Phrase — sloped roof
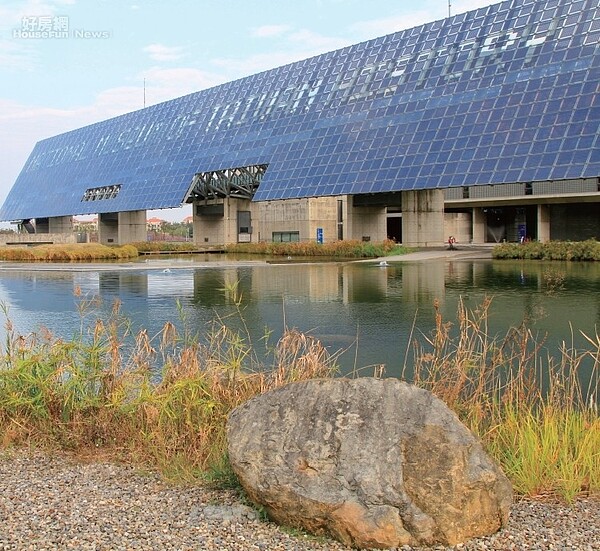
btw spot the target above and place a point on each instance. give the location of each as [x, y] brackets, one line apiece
[505, 93]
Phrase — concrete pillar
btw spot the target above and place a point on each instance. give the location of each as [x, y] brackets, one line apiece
[108, 228]
[119, 228]
[366, 223]
[60, 224]
[478, 225]
[543, 223]
[132, 227]
[423, 218]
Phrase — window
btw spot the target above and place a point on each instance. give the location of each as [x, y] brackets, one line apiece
[286, 236]
[98, 193]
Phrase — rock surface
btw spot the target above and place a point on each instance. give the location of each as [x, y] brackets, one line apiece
[375, 463]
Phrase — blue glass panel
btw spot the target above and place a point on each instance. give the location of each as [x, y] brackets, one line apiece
[452, 98]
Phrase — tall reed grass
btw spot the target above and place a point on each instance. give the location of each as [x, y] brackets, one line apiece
[537, 415]
[588, 250]
[100, 392]
[165, 246]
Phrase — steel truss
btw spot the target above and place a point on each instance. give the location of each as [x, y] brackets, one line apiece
[241, 182]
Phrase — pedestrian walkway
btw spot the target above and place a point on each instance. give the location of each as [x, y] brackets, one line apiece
[465, 252]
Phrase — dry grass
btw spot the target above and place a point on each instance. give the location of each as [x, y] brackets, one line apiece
[335, 249]
[66, 253]
[101, 392]
[537, 415]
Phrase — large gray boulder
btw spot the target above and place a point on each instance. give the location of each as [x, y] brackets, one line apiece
[375, 463]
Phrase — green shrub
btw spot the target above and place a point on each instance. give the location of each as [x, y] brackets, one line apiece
[588, 250]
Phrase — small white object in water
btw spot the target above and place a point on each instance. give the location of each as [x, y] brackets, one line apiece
[166, 271]
[383, 263]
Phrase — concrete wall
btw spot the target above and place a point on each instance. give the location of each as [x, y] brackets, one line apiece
[307, 215]
[423, 218]
[368, 223]
[60, 224]
[458, 224]
[479, 225]
[33, 238]
[293, 215]
[108, 228]
[543, 223]
[282, 216]
[298, 215]
[220, 230]
[322, 213]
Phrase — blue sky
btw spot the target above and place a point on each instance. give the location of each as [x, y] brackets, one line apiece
[109, 56]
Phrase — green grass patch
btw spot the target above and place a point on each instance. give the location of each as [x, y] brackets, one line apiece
[99, 391]
[588, 250]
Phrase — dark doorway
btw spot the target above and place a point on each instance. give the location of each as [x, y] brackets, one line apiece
[394, 228]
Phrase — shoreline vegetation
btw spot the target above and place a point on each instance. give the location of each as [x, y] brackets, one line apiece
[86, 252]
[99, 394]
[585, 251]
[588, 250]
[161, 401]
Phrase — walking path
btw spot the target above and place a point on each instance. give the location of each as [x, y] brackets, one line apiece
[52, 503]
[467, 252]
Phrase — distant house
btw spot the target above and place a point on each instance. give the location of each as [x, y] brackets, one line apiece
[188, 220]
[85, 225]
[155, 224]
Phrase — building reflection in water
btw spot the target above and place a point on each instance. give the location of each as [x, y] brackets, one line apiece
[365, 309]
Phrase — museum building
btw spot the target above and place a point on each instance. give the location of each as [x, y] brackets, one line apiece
[484, 126]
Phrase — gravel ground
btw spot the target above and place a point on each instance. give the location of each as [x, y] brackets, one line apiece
[53, 503]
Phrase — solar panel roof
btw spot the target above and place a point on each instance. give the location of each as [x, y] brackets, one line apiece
[505, 93]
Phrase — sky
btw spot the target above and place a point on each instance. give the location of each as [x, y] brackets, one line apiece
[65, 64]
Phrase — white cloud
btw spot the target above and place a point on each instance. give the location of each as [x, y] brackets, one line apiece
[378, 27]
[388, 25]
[461, 6]
[17, 55]
[160, 52]
[267, 31]
[317, 43]
[300, 44]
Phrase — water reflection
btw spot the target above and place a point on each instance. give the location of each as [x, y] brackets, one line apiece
[367, 310]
